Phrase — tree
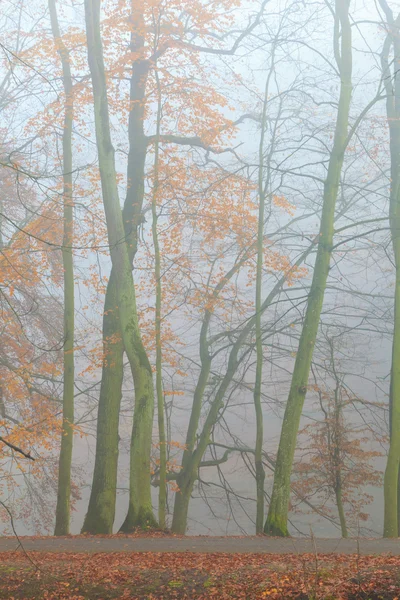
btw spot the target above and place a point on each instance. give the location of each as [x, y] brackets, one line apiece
[30, 239]
[392, 88]
[140, 509]
[276, 523]
[334, 463]
[30, 357]
[162, 499]
[64, 474]
[101, 510]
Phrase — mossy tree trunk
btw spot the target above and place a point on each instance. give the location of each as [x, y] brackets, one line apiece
[140, 509]
[101, 511]
[258, 459]
[63, 508]
[392, 88]
[276, 523]
[264, 182]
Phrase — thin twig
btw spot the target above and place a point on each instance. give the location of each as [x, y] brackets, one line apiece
[13, 447]
[20, 544]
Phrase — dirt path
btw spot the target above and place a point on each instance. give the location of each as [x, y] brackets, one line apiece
[203, 544]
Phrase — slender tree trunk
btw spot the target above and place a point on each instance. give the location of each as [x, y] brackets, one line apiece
[67, 436]
[392, 85]
[335, 446]
[276, 523]
[342, 516]
[140, 509]
[162, 439]
[258, 459]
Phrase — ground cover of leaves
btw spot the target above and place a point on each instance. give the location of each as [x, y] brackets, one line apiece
[149, 576]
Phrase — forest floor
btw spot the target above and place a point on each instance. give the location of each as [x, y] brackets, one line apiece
[171, 576]
[168, 568]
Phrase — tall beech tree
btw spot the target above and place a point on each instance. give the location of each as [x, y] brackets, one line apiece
[63, 508]
[101, 511]
[391, 81]
[276, 523]
[162, 439]
[140, 509]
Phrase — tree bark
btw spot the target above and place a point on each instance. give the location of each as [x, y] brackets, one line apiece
[276, 523]
[140, 509]
[67, 435]
[101, 511]
[258, 460]
[342, 516]
[392, 87]
[162, 439]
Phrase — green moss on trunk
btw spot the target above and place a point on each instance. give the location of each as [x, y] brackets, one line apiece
[181, 506]
[121, 258]
[279, 504]
[101, 511]
[392, 86]
[67, 434]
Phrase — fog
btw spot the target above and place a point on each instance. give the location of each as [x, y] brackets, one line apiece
[199, 237]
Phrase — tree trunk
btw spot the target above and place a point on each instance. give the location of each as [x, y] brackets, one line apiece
[258, 459]
[181, 504]
[101, 511]
[140, 509]
[391, 493]
[276, 523]
[162, 493]
[140, 512]
[67, 435]
[342, 516]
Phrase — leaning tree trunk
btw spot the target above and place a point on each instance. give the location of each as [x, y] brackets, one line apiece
[67, 434]
[192, 455]
[276, 523]
[140, 508]
[392, 88]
